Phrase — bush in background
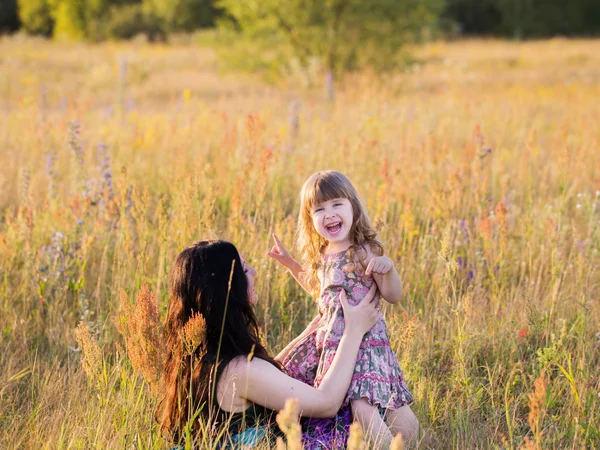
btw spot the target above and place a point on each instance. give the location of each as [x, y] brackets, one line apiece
[343, 35]
[36, 16]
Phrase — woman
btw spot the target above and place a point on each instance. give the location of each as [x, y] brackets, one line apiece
[229, 387]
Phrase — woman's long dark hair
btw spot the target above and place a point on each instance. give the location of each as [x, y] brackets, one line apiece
[204, 278]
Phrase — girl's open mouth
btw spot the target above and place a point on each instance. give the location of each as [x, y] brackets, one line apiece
[334, 228]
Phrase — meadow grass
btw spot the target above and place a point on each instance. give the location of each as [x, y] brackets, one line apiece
[479, 166]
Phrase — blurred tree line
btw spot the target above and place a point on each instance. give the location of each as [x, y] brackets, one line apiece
[525, 18]
[335, 36]
[106, 19]
[102, 19]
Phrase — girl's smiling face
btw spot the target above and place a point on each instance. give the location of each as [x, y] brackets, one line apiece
[250, 272]
[332, 219]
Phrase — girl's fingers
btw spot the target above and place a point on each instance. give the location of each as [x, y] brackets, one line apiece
[370, 267]
[273, 255]
[277, 241]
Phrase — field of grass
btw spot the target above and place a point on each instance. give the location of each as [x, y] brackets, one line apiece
[479, 164]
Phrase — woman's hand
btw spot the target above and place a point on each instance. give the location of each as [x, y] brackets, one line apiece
[280, 254]
[360, 318]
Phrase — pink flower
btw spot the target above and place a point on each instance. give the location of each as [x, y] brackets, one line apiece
[337, 277]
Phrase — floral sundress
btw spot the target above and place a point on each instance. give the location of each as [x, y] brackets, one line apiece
[377, 376]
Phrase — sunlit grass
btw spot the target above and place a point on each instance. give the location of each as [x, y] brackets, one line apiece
[479, 165]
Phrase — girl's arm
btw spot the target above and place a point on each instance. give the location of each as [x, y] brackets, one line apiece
[269, 387]
[386, 277]
[312, 326]
[280, 254]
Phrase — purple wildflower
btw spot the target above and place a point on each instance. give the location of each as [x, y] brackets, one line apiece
[51, 158]
[129, 105]
[24, 185]
[105, 169]
[465, 229]
[74, 130]
[329, 87]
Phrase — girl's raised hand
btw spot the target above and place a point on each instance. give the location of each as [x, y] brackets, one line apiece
[380, 265]
[362, 317]
[280, 254]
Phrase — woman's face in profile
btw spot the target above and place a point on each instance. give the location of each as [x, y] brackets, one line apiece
[250, 272]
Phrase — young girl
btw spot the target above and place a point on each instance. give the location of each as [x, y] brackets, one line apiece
[340, 252]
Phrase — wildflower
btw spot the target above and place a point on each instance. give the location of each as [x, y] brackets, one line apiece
[51, 158]
[140, 326]
[397, 442]
[74, 131]
[105, 170]
[329, 87]
[129, 105]
[78, 155]
[24, 185]
[193, 334]
[408, 331]
[485, 228]
[355, 440]
[287, 420]
[537, 401]
[523, 333]
[123, 69]
[444, 252]
[92, 355]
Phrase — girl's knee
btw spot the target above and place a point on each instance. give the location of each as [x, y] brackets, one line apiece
[404, 421]
[362, 407]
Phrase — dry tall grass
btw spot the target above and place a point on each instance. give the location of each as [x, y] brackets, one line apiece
[479, 166]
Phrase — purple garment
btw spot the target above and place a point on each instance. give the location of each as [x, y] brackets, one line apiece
[327, 434]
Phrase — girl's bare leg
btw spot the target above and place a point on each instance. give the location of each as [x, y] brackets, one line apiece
[375, 430]
[403, 420]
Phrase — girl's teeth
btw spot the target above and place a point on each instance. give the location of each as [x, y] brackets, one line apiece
[334, 229]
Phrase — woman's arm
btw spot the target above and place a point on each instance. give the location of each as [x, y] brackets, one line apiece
[312, 326]
[267, 386]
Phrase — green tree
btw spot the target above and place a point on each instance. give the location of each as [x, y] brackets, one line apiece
[36, 16]
[69, 17]
[342, 34]
[182, 15]
[79, 19]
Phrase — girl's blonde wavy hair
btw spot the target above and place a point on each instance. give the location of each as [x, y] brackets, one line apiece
[321, 187]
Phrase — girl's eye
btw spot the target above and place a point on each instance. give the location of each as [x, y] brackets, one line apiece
[318, 209]
[337, 204]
